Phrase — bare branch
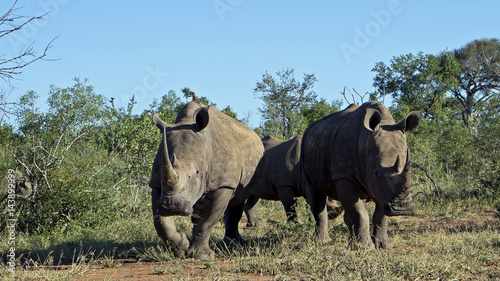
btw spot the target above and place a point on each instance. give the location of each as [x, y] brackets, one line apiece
[436, 187]
[362, 97]
[345, 97]
[11, 67]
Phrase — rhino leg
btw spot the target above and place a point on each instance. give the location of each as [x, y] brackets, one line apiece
[165, 227]
[251, 210]
[317, 202]
[380, 222]
[205, 219]
[234, 212]
[232, 218]
[289, 202]
[355, 216]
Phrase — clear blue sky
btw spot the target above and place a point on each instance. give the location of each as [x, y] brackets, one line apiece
[220, 48]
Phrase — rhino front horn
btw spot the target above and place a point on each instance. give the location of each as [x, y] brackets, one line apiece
[170, 176]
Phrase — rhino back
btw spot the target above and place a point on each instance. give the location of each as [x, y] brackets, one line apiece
[281, 162]
[330, 146]
[236, 151]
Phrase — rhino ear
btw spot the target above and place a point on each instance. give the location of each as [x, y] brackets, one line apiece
[201, 117]
[158, 122]
[410, 122]
[372, 119]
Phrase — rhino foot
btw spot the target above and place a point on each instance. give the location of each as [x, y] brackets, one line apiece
[356, 245]
[179, 246]
[323, 239]
[252, 224]
[233, 241]
[200, 253]
[382, 243]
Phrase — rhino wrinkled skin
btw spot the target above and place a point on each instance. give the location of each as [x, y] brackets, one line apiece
[357, 155]
[277, 177]
[201, 160]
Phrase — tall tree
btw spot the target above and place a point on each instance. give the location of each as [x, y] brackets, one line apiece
[418, 81]
[284, 97]
[479, 79]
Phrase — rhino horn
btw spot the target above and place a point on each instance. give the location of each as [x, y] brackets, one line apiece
[408, 160]
[396, 165]
[170, 175]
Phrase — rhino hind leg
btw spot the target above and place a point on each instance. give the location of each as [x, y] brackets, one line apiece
[232, 218]
[251, 211]
[204, 221]
[380, 222]
[286, 195]
[165, 227]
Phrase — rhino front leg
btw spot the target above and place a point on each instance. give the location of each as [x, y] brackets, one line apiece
[380, 222]
[251, 210]
[205, 219]
[165, 227]
[355, 216]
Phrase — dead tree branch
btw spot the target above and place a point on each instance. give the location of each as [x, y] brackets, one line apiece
[361, 97]
[437, 189]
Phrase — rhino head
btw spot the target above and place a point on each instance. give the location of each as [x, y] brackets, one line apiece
[387, 171]
[185, 151]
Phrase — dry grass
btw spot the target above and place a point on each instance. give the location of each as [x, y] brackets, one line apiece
[443, 241]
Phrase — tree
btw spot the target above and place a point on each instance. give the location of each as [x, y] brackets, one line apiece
[284, 99]
[12, 66]
[60, 156]
[457, 93]
[319, 109]
[418, 81]
[168, 107]
[479, 79]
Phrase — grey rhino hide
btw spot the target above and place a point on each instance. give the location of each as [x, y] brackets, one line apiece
[209, 156]
[357, 155]
[277, 177]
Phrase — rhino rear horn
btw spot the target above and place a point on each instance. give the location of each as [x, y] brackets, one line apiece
[396, 165]
[372, 119]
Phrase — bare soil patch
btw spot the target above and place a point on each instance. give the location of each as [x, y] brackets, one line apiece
[137, 270]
